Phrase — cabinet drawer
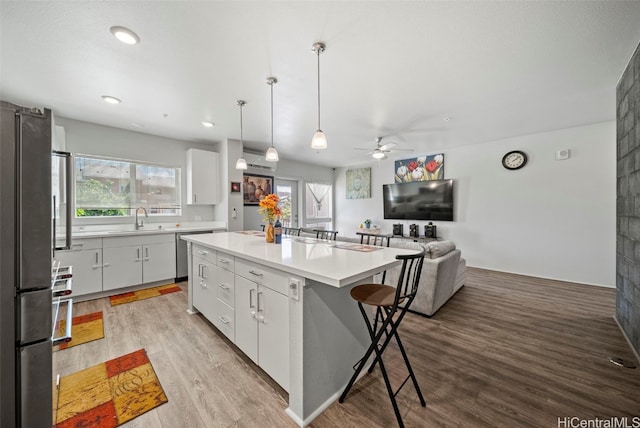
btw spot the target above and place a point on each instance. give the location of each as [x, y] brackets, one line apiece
[205, 254]
[85, 244]
[225, 261]
[263, 275]
[226, 287]
[125, 241]
[225, 319]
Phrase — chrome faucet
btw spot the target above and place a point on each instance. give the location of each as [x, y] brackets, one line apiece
[141, 223]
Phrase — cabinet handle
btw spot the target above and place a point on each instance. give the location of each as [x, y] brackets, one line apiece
[224, 321]
[96, 266]
[261, 319]
[138, 252]
[224, 261]
[203, 275]
[255, 273]
[224, 287]
[146, 252]
[259, 310]
[251, 300]
[106, 265]
[195, 198]
[202, 253]
[76, 245]
[96, 257]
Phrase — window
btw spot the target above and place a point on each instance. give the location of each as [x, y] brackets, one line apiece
[318, 205]
[112, 187]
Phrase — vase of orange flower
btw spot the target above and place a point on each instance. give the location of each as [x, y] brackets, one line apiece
[270, 212]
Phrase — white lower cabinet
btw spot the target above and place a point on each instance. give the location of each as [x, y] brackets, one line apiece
[133, 260]
[85, 256]
[262, 318]
[204, 294]
[248, 303]
[122, 267]
[159, 261]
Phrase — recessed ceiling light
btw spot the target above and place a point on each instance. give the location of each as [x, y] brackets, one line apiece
[447, 119]
[125, 35]
[207, 124]
[111, 100]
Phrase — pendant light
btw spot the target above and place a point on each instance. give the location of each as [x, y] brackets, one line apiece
[319, 140]
[272, 153]
[241, 163]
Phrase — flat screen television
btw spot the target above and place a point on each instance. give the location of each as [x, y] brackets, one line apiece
[419, 200]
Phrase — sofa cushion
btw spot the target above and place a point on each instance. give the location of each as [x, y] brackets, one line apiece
[437, 249]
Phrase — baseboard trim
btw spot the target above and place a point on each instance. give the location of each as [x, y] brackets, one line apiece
[627, 339]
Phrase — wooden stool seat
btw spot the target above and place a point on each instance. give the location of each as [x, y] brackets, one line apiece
[375, 294]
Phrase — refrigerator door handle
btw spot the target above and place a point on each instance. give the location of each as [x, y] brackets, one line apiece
[68, 189]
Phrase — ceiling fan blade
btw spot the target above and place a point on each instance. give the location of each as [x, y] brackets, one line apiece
[401, 150]
[359, 148]
[387, 146]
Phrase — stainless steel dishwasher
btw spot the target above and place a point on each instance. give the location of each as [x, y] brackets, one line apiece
[182, 262]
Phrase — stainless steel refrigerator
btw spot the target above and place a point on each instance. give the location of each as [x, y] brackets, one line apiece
[26, 237]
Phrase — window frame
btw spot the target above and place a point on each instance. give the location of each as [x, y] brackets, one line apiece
[133, 183]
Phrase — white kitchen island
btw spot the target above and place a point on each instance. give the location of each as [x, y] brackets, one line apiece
[287, 306]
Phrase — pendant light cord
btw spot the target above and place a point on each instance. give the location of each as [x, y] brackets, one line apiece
[271, 84]
[241, 139]
[318, 53]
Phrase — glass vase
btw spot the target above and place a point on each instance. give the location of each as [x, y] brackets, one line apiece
[269, 232]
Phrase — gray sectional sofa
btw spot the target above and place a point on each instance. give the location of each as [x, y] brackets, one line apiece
[443, 273]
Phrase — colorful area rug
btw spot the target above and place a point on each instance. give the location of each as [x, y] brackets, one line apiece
[109, 394]
[84, 328]
[132, 296]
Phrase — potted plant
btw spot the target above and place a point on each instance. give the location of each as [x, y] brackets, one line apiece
[367, 223]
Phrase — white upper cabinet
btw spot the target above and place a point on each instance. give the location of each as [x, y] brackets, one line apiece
[202, 177]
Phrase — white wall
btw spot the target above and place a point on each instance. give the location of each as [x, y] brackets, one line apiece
[551, 219]
[290, 170]
[92, 139]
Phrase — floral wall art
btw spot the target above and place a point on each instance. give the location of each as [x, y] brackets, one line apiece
[420, 168]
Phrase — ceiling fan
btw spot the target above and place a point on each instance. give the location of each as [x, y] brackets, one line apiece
[380, 150]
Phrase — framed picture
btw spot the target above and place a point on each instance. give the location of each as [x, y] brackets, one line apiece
[255, 187]
[420, 168]
[235, 187]
[359, 183]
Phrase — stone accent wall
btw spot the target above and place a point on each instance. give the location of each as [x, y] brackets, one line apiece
[628, 201]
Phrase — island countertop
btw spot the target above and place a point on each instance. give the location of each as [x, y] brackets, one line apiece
[335, 263]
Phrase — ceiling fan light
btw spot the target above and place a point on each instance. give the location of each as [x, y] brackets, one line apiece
[125, 35]
[378, 154]
[241, 163]
[319, 140]
[272, 155]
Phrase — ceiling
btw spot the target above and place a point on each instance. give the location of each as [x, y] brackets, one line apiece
[391, 68]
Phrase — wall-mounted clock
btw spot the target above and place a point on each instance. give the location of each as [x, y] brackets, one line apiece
[515, 159]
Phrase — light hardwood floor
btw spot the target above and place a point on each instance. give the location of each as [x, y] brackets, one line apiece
[505, 351]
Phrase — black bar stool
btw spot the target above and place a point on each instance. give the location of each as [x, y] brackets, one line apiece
[386, 300]
[291, 231]
[326, 234]
[377, 240]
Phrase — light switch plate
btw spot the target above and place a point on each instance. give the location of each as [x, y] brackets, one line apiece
[294, 288]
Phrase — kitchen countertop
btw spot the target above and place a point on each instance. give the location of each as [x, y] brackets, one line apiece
[103, 231]
[318, 260]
